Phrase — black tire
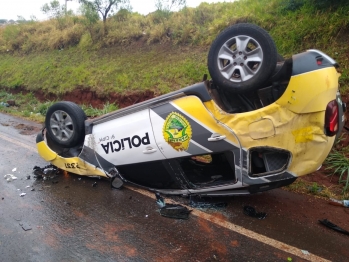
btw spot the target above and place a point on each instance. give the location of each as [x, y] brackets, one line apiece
[65, 124]
[246, 67]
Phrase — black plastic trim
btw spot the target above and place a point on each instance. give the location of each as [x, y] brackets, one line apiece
[307, 61]
[271, 185]
[39, 137]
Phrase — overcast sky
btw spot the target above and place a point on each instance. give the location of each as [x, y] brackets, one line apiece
[10, 9]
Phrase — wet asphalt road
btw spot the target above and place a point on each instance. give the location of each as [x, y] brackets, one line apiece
[69, 220]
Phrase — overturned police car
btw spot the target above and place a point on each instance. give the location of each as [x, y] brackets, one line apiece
[261, 122]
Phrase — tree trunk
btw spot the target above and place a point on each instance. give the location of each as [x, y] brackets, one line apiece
[105, 30]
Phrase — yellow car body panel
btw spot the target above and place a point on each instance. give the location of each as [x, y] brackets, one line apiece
[73, 164]
[309, 92]
[298, 125]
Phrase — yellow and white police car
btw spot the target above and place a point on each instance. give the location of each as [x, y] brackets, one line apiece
[261, 122]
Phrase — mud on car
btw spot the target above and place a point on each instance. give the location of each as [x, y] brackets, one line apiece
[261, 122]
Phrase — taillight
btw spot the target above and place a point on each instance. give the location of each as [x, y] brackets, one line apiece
[331, 118]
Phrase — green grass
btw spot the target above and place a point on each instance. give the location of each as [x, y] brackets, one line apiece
[338, 162]
[94, 112]
[154, 52]
[27, 106]
[112, 70]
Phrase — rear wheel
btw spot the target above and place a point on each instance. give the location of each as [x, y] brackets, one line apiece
[65, 124]
[242, 58]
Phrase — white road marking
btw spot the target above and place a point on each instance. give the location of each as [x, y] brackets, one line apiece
[220, 222]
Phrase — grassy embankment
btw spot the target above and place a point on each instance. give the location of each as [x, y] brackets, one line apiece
[160, 52]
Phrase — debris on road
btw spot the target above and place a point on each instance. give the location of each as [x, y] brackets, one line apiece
[329, 224]
[116, 183]
[251, 211]
[198, 202]
[27, 177]
[22, 194]
[25, 226]
[171, 210]
[160, 200]
[305, 252]
[10, 177]
[14, 170]
[336, 202]
[175, 211]
[3, 104]
[94, 184]
[46, 172]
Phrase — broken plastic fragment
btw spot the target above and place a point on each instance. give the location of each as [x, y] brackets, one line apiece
[160, 200]
[336, 202]
[3, 104]
[14, 170]
[45, 172]
[305, 252]
[175, 211]
[116, 183]
[22, 194]
[328, 224]
[251, 211]
[25, 226]
[171, 210]
[10, 177]
[205, 203]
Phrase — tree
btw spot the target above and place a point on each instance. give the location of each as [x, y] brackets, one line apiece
[56, 11]
[169, 5]
[53, 9]
[105, 7]
[90, 19]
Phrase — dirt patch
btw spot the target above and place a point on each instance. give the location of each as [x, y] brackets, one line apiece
[24, 129]
[323, 179]
[85, 96]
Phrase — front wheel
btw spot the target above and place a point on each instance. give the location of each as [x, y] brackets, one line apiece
[65, 124]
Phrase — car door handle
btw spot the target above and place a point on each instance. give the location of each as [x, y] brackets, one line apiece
[216, 137]
[149, 150]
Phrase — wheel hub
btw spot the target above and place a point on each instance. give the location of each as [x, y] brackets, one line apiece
[239, 58]
[61, 125]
